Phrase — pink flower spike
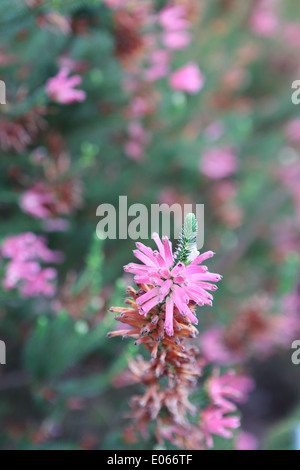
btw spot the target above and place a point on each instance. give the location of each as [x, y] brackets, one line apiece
[180, 284]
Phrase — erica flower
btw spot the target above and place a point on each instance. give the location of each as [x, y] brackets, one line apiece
[61, 88]
[24, 270]
[47, 201]
[214, 422]
[218, 163]
[229, 386]
[173, 282]
[37, 200]
[189, 79]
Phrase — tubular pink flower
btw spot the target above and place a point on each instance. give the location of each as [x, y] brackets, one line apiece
[174, 284]
[229, 386]
[214, 422]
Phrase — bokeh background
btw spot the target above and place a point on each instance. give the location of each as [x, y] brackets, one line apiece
[190, 108]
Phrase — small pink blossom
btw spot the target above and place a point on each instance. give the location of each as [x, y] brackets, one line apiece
[246, 441]
[172, 18]
[115, 3]
[214, 422]
[36, 201]
[134, 150]
[189, 79]
[24, 271]
[214, 131]
[214, 348]
[176, 39]
[292, 130]
[159, 65]
[218, 163]
[292, 33]
[61, 88]
[264, 21]
[173, 283]
[229, 386]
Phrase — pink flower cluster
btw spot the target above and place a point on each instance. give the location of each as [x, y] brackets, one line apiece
[24, 271]
[223, 391]
[175, 27]
[174, 284]
[37, 200]
[61, 88]
[138, 138]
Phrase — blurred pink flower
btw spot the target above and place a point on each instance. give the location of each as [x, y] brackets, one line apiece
[61, 88]
[172, 18]
[214, 348]
[175, 284]
[159, 65]
[139, 107]
[292, 130]
[176, 39]
[214, 131]
[292, 33]
[189, 79]
[246, 441]
[24, 271]
[138, 133]
[134, 150]
[264, 21]
[56, 225]
[36, 201]
[138, 139]
[156, 72]
[214, 422]
[229, 386]
[115, 3]
[218, 163]
[290, 177]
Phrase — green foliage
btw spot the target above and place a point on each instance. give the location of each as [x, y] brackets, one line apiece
[187, 242]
